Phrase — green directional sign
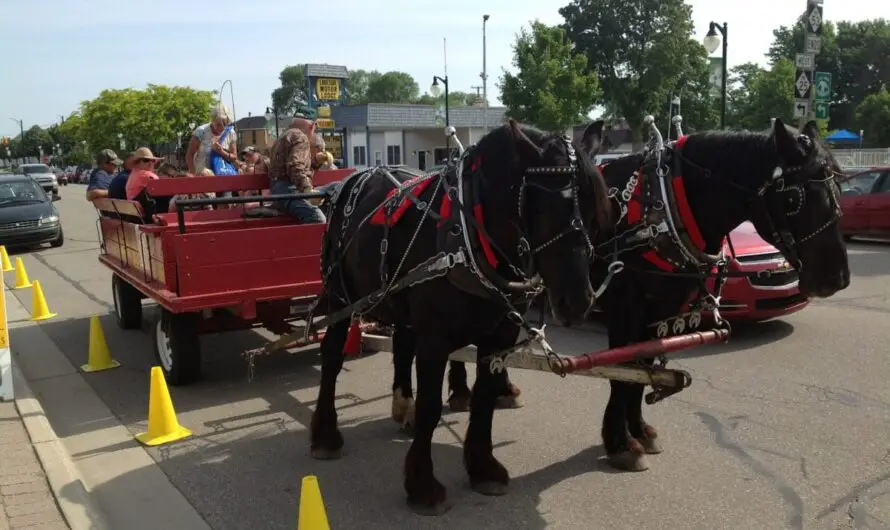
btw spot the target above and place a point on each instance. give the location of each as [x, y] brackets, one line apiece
[821, 110]
[822, 86]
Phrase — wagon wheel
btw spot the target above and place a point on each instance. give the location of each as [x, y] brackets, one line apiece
[178, 347]
[127, 303]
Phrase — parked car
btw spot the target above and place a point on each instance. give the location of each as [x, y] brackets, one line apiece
[757, 298]
[865, 203]
[43, 175]
[61, 176]
[27, 213]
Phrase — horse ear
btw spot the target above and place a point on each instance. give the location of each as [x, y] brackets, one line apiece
[525, 148]
[786, 145]
[811, 129]
[592, 138]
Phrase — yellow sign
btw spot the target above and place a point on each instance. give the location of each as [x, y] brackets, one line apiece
[334, 144]
[327, 89]
[325, 123]
[4, 332]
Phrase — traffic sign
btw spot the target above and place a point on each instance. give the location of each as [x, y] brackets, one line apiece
[814, 19]
[821, 110]
[813, 44]
[822, 81]
[802, 84]
[801, 108]
[805, 61]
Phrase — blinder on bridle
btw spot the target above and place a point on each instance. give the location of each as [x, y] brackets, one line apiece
[791, 199]
[539, 178]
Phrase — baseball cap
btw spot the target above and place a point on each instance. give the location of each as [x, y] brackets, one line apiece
[107, 156]
[248, 149]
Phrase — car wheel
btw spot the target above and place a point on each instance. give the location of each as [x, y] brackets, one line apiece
[127, 303]
[59, 241]
[178, 346]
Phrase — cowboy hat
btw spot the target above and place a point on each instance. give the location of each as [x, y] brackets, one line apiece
[144, 153]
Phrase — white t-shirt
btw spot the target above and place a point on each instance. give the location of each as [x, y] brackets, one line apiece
[205, 135]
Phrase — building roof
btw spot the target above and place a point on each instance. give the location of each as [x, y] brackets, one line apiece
[409, 116]
[327, 70]
[255, 123]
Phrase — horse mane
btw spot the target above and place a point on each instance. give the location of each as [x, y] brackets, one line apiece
[745, 157]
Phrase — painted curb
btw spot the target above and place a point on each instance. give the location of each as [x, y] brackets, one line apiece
[72, 496]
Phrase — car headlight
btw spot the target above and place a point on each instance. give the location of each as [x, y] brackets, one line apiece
[49, 220]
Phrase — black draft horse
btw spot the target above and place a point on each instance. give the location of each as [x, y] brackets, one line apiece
[782, 180]
[522, 207]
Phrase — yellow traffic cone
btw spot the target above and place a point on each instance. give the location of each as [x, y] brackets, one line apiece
[163, 427]
[39, 309]
[312, 512]
[5, 264]
[21, 275]
[99, 356]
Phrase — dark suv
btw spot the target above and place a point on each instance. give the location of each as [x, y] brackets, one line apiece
[27, 214]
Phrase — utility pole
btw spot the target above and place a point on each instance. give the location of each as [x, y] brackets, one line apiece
[484, 77]
[478, 90]
[812, 89]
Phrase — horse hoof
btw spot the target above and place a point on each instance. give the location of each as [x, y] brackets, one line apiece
[650, 446]
[509, 402]
[628, 461]
[459, 402]
[407, 429]
[321, 453]
[490, 489]
[402, 407]
[430, 510]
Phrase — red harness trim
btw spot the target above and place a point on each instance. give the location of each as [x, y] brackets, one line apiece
[380, 218]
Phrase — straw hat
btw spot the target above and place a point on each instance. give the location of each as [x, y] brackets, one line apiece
[144, 153]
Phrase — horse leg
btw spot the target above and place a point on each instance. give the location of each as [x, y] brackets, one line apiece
[460, 395]
[641, 431]
[426, 495]
[403, 409]
[326, 440]
[487, 475]
[622, 451]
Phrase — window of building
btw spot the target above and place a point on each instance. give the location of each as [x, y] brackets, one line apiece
[253, 137]
[359, 156]
[393, 155]
[378, 158]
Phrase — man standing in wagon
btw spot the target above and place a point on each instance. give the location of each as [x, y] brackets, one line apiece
[290, 170]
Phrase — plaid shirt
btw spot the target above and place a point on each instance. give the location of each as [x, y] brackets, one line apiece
[291, 160]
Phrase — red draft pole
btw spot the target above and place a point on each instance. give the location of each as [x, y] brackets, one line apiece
[648, 349]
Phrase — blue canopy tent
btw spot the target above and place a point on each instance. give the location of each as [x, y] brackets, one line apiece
[843, 135]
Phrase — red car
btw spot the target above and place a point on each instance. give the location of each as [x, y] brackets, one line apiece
[754, 298]
[865, 202]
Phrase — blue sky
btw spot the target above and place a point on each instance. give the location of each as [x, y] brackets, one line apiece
[58, 53]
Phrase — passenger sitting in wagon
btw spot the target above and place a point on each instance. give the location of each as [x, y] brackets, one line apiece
[291, 170]
[143, 172]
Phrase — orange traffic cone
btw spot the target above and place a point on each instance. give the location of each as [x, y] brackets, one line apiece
[99, 357]
[353, 345]
[21, 275]
[5, 264]
[312, 513]
[163, 427]
[39, 309]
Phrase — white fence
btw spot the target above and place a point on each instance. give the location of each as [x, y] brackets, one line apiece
[862, 158]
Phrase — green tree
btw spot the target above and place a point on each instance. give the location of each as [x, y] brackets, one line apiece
[293, 90]
[392, 87]
[644, 53]
[35, 139]
[873, 117]
[144, 117]
[552, 89]
[357, 85]
[455, 99]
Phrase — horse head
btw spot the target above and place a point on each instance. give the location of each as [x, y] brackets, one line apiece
[800, 210]
[545, 199]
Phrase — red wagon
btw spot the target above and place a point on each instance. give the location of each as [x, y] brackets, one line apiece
[211, 270]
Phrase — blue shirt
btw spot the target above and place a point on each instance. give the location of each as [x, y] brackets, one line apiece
[117, 188]
[99, 180]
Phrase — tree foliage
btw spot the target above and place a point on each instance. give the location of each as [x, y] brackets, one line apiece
[873, 115]
[292, 93]
[553, 88]
[392, 87]
[856, 54]
[644, 53]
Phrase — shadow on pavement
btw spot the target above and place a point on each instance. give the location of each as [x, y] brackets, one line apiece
[744, 336]
[362, 490]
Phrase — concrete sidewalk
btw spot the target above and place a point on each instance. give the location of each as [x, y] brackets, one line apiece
[26, 499]
[113, 483]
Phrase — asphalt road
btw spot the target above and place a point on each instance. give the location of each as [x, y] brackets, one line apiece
[784, 427]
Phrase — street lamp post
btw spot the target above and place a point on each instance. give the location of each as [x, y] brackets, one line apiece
[711, 42]
[435, 90]
[484, 78]
[22, 137]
